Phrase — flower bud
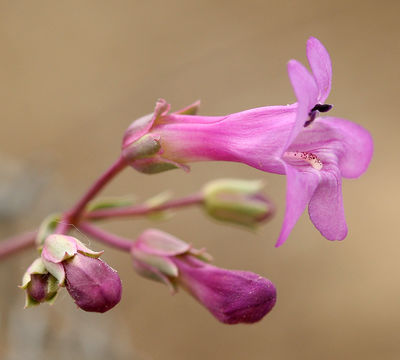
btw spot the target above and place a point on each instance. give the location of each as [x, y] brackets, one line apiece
[93, 284]
[231, 296]
[238, 201]
[40, 286]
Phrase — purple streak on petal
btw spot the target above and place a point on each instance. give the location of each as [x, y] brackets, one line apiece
[306, 92]
[92, 283]
[321, 66]
[357, 146]
[300, 187]
[326, 206]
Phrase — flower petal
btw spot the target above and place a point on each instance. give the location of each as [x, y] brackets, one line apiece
[326, 206]
[306, 91]
[321, 66]
[255, 137]
[300, 187]
[358, 146]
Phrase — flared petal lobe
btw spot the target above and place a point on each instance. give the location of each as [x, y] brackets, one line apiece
[300, 187]
[321, 66]
[357, 143]
[326, 205]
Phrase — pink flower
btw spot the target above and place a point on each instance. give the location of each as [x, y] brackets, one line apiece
[314, 152]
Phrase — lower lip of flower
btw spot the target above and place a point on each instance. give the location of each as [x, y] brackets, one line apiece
[310, 158]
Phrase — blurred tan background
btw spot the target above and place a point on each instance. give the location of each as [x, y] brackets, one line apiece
[74, 74]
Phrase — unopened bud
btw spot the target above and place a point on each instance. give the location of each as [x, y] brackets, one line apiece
[40, 286]
[231, 296]
[238, 201]
[92, 283]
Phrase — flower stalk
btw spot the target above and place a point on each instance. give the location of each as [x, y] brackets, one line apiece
[72, 216]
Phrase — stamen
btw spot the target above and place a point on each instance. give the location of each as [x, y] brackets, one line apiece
[315, 111]
[322, 108]
[312, 159]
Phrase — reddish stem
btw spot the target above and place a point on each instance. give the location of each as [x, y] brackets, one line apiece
[144, 209]
[26, 240]
[72, 216]
[106, 237]
[17, 243]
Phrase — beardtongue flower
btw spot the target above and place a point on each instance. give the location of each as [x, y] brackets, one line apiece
[313, 152]
[232, 296]
[92, 283]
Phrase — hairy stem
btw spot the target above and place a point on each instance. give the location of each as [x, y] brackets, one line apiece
[141, 210]
[106, 237]
[72, 216]
[17, 243]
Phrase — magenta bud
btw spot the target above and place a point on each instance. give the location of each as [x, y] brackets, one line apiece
[93, 284]
[42, 287]
[232, 296]
[39, 284]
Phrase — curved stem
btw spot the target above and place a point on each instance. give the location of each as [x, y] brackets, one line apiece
[106, 237]
[16, 243]
[141, 210]
[73, 215]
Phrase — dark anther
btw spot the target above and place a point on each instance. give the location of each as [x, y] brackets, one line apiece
[322, 108]
[315, 111]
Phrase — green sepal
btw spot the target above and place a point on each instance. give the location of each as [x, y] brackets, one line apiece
[58, 248]
[29, 302]
[147, 146]
[57, 270]
[47, 227]
[83, 249]
[110, 203]
[37, 267]
[162, 264]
